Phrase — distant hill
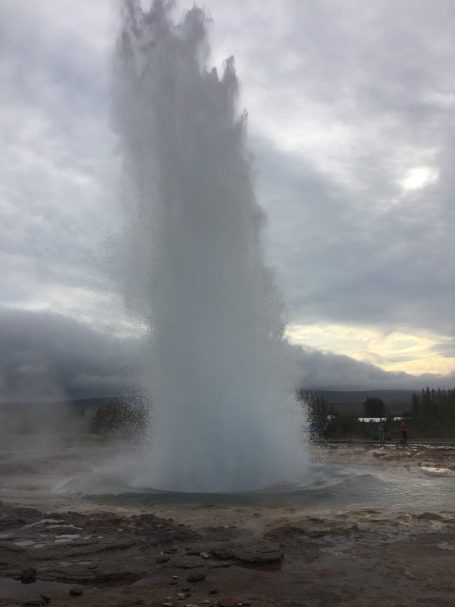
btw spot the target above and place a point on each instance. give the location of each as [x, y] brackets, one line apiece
[346, 401]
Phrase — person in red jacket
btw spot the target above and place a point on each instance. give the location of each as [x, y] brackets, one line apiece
[404, 431]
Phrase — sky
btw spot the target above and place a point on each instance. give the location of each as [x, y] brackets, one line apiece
[351, 108]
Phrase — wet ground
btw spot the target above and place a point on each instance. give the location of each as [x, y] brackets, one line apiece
[269, 551]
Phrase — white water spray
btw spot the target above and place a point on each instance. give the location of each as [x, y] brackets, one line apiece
[224, 416]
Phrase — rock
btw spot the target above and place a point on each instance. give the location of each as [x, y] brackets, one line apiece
[12, 547]
[429, 516]
[167, 604]
[46, 599]
[28, 575]
[257, 553]
[204, 555]
[34, 603]
[181, 596]
[228, 601]
[196, 577]
[219, 564]
[213, 591]
[76, 591]
[187, 562]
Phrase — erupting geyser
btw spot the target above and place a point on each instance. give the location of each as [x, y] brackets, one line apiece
[224, 416]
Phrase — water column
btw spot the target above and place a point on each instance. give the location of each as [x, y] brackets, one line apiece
[218, 370]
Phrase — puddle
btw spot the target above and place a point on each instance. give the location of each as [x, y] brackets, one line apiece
[328, 485]
[339, 546]
[435, 471]
[12, 589]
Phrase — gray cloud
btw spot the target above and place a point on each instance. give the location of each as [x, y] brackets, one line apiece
[445, 349]
[345, 97]
[352, 247]
[342, 264]
[56, 149]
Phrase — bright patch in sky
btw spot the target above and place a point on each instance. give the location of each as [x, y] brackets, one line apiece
[413, 353]
[419, 177]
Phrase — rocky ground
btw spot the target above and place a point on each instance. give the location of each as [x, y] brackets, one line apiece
[228, 556]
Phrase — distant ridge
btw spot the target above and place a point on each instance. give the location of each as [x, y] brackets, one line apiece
[354, 399]
[345, 400]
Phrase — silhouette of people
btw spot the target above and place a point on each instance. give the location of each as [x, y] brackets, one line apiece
[313, 431]
[381, 433]
[324, 427]
[404, 431]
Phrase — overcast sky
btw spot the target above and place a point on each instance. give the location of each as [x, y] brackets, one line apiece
[351, 120]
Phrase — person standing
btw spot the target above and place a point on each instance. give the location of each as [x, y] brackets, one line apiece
[381, 432]
[404, 431]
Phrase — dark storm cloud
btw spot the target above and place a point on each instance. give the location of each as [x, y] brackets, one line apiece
[48, 357]
[45, 356]
[327, 371]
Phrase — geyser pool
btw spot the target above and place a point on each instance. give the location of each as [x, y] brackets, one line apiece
[218, 368]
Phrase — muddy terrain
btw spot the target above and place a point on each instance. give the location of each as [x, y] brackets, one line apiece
[73, 552]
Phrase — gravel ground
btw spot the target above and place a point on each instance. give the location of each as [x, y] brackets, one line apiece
[64, 551]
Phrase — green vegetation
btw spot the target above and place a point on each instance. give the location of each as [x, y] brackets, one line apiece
[433, 413]
[316, 407]
[374, 407]
[348, 426]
